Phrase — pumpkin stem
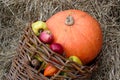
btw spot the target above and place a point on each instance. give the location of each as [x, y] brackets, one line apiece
[69, 21]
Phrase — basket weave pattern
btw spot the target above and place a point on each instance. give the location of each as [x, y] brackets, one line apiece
[30, 44]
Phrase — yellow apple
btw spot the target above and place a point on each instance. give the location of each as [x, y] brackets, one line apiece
[37, 26]
[75, 59]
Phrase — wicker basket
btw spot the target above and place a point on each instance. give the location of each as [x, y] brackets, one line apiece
[29, 47]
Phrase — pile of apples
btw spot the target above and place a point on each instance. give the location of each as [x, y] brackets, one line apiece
[44, 35]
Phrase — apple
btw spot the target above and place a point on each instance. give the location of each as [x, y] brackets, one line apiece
[37, 26]
[56, 47]
[46, 37]
[35, 62]
[75, 59]
[38, 58]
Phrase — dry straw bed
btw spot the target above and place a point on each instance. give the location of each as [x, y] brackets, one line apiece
[15, 14]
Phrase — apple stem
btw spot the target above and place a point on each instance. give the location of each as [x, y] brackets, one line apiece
[40, 30]
[69, 21]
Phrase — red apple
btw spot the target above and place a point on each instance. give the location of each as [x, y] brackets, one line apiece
[46, 37]
[56, 47]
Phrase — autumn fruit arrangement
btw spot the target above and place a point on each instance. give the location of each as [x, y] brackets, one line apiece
[64, 47]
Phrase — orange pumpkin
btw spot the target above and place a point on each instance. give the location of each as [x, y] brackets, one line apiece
[78, 33]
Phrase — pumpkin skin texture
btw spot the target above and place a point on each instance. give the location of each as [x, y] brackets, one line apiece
[82, 39]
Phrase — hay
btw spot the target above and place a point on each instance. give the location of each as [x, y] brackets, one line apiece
[15, 14]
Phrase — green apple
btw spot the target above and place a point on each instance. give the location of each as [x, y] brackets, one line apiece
[37, 26]
[75, 59]
[43, 64]
[38, 58]
[63, 73]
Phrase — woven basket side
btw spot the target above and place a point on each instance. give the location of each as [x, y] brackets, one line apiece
[30, 46]
[20, 68]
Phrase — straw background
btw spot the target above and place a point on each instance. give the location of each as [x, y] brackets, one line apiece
[15, 14]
